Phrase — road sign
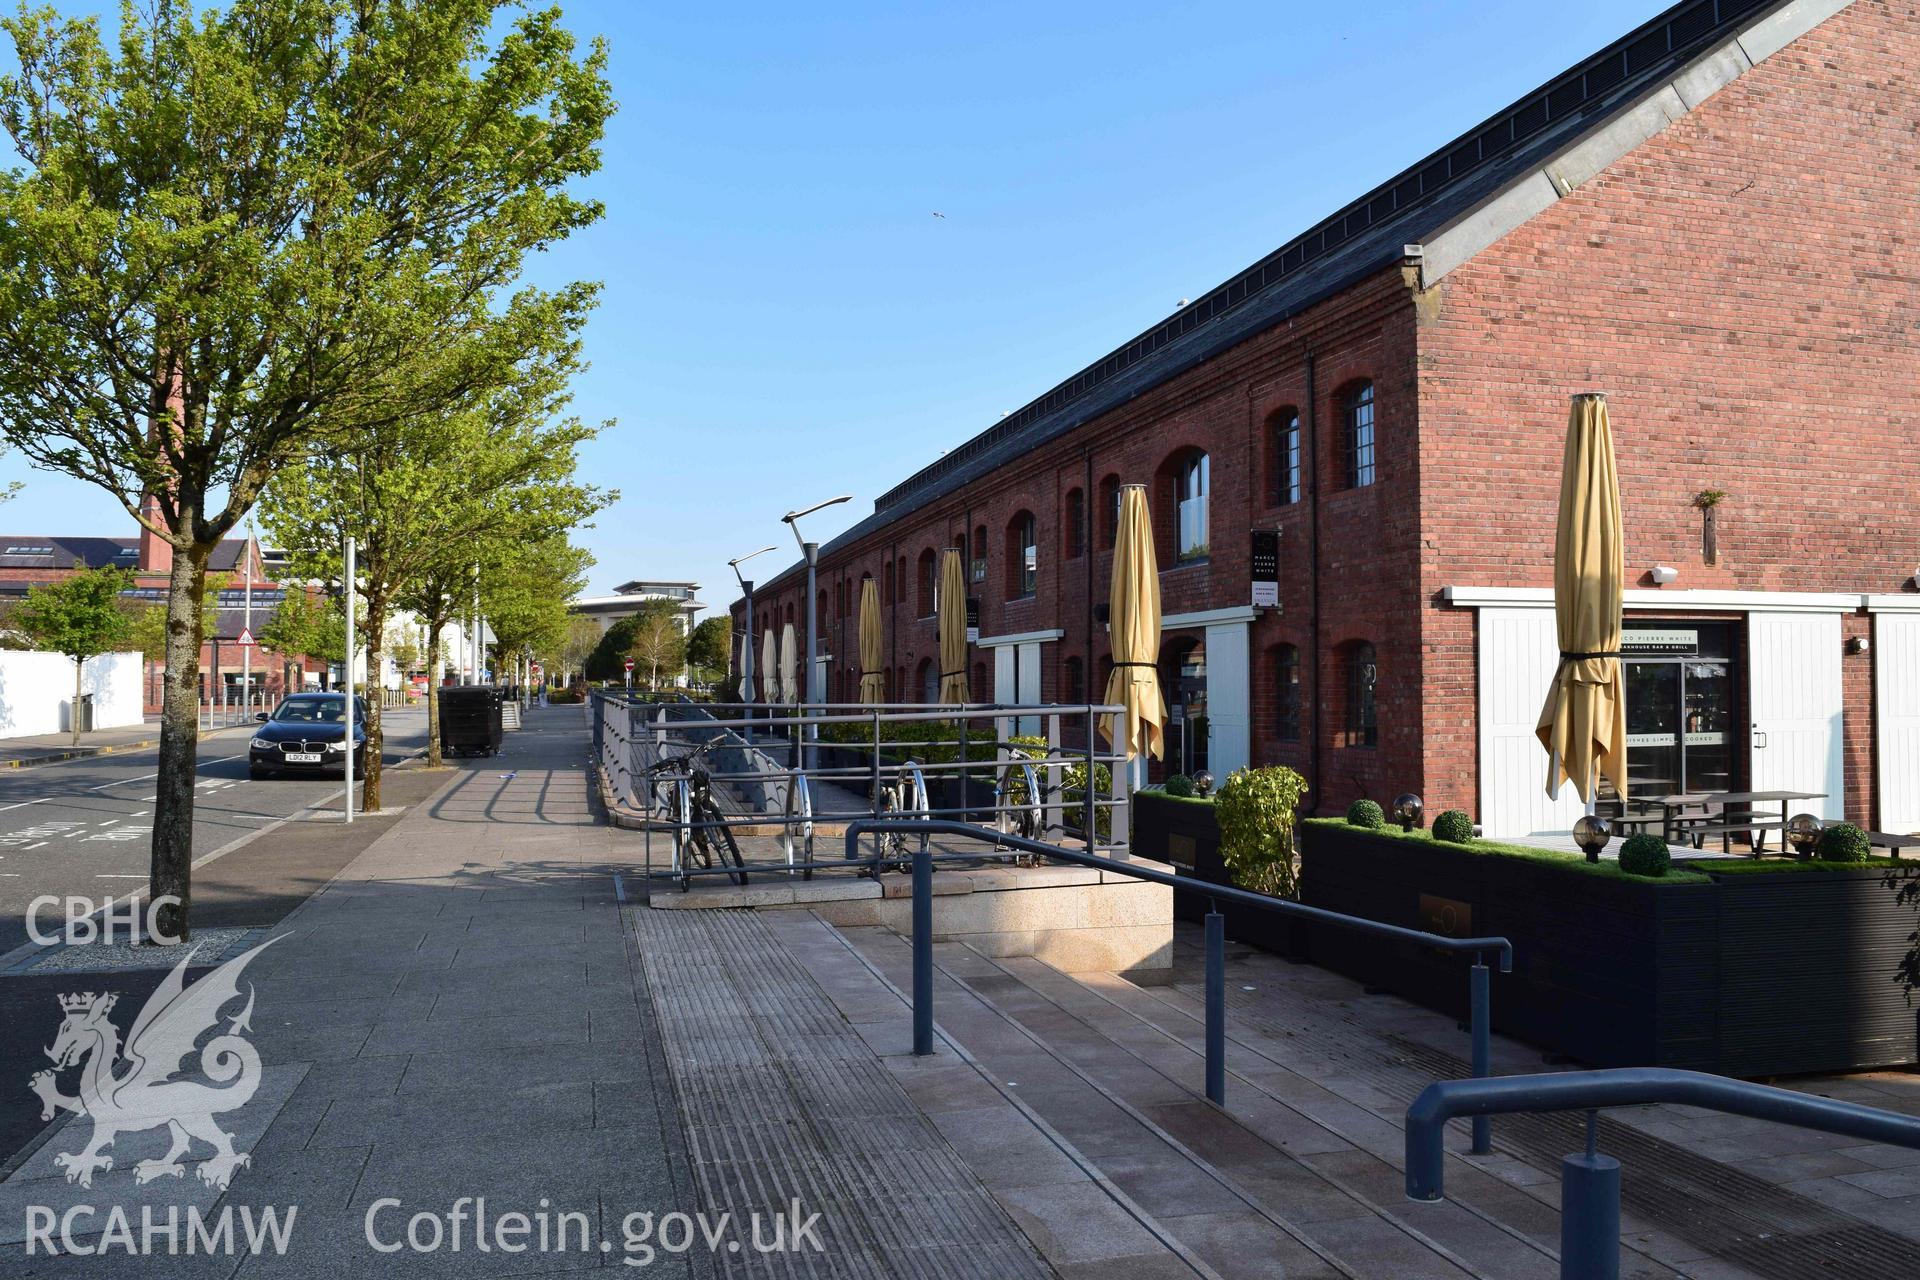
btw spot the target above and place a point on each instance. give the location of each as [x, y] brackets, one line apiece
[246, 639]
[629, 664]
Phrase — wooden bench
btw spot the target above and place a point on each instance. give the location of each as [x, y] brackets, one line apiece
[1726, 826]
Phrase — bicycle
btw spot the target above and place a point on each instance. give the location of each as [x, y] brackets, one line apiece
[700, 830]
[903, 795]
[796, 832]
[1019, 802]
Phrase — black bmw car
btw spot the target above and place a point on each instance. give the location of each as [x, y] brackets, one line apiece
[306, 734]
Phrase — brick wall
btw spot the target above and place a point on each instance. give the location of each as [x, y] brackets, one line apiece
[1747, 300]
[1743, 288]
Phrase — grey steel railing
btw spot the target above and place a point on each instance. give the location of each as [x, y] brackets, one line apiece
[1216, 993]
[1590, 1181]
[632, 736]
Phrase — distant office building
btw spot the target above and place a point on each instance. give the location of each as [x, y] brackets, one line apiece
[628, 597]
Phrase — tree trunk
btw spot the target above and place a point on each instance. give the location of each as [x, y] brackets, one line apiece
[433, 693]
[79, 677]
[376, 670]
[171, 871]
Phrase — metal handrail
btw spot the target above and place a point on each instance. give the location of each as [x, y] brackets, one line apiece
[1590, 1181]
[1480, 987]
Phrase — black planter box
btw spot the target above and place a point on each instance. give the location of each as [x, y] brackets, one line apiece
[1187, 835]
[1749, 975]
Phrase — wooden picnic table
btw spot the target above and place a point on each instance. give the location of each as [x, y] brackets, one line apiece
[1677, 822]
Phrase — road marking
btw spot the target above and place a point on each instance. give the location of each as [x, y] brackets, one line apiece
[36, 844]
[104, 876]
[145, 776]
[24, 803]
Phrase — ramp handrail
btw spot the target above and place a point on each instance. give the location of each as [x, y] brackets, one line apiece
[1479, 985]
[1590, 1181]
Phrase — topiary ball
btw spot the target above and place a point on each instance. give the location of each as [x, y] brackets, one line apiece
[1180, 785]
[1365, 813]
[1453, 826]
[1645, 854]
[1843, 842]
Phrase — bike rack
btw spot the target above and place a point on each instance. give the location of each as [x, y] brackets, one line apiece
[1589, 1181]
[799, 824]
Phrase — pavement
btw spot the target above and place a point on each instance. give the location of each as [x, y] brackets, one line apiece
[450, 1012]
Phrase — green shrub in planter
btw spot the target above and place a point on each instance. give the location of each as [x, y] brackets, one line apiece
[1366, 813]
[1843, 842]
[1645, 854]
[1256, 810]
[1454, 826]
[1180, 785]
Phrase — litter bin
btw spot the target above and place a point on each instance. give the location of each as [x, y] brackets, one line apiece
[86, 713]
[470, 722]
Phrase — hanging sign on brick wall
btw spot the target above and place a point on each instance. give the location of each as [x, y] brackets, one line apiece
[1266, 567]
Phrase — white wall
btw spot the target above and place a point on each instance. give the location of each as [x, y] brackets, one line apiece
[36, 691]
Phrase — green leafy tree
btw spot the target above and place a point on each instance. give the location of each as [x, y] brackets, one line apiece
[307, 625]
[658, 641]
[609, 658]
[231, 236]
[79, 616]
[414, 491]
[524, 598]
[581, 639]
[710, 647]
[437, 597]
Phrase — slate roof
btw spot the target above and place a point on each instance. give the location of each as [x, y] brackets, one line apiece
[38, 551]
[1366, 236]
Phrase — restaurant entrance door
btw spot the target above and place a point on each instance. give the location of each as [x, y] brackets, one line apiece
[1682, 713]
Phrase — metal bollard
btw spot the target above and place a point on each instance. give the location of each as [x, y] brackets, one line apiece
[1482, 1002]
[1216, 1007]
[922, 952]
[1590, 1213]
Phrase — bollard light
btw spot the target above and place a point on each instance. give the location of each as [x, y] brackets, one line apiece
[1591, 833]
[1803, 833]
[1203, 783]
[1407, 811]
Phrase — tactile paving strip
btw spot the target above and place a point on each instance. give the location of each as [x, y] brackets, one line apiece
[782, 1099]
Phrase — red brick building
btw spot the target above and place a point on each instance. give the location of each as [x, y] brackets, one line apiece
[1712, 221]
[28, 561]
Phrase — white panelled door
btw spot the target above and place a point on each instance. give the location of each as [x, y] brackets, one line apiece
[1229, 700]
[1026, 668]
[1794, 694]
[1519, 653]
[1896, 715]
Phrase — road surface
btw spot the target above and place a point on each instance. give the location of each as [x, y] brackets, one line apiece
[83, 828]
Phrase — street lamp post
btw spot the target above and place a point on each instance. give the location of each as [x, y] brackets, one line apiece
[811, 551]
[746, 650]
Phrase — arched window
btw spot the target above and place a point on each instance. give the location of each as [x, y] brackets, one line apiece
[1285, 427]
[929, 583]
[887, 675]
[1190, 487]
[1075, 527]
[1076, 681]
[820, 606]
[978, 570]
[1110, 508]
[1356, 434]
[1361, 728]
[929, 680]
[1286, 691]
[901, 598]
[888, 597]
[1023, 556]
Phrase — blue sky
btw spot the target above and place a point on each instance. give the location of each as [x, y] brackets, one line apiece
[785, 318]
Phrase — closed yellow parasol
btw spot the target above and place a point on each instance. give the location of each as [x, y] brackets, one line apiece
[1134, 620]
[1584, 723]
[789, 665]
[953, 630]
[873, 683]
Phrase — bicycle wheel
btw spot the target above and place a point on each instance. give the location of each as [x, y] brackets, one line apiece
[725, 847]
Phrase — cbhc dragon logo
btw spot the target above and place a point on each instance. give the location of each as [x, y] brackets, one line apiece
[128, 1090]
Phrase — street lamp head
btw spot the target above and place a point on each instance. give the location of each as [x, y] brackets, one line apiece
[737, 561]
[791, 516]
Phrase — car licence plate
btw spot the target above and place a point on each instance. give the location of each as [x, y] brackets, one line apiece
[303, 757]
